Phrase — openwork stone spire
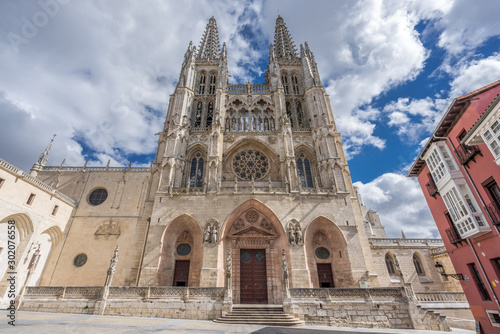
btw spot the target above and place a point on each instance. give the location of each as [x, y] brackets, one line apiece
[209, 47]
[42, 160]
[284, 49]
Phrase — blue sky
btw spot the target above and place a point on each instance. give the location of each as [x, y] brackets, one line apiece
[99, 74]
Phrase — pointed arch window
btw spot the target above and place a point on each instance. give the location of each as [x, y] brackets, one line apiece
[196, 174]
[284, 82]
[203, 79]
[211, 89]
[295, 84]
[419, 268]
[304, 170]
[389, 262]
[289, 113]
[300, 115]
[210, 113]
[197, 117]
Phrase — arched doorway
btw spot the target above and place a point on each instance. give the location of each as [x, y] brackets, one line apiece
[181, 255]
[255, 236]
[327, 255]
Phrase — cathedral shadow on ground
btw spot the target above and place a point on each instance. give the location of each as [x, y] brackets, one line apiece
[303, 330]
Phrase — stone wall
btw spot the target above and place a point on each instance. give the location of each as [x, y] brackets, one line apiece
[162, 302]
[375, 307]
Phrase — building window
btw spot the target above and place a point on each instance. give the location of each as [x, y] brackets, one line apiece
[203, 79]
[210, 113]
[80, 260]
[250, 164]
[295, 84]
[31, 199]
[197, 117]
[440, 162]
[284, 82]
[389, 262]
[494, 317]
[196, 175]
[2, 181]
[304, 170]
[462, 209]
[211, 89]
[98, 196]
[479, 282]
[496, 265]
[419, 268]
[492, 138]
[55, 209]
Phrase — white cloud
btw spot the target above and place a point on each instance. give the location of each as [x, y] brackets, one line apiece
[99, 74]
[401, 205]
[415, 117]
[467, 25]
[475, 74]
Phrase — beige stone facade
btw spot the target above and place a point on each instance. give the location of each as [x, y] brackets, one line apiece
[255, 169]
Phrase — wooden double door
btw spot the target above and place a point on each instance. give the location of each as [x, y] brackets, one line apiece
[253, 277]
[181, 273]
[325, 275]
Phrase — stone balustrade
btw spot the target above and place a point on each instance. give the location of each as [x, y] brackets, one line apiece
[37, 183]
[387, 242]
[248, 89]
[121, 292]
[350, 294]
[96, 169]
[441, 297]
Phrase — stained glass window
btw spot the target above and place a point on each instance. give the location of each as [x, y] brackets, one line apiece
[304, 171]
[196, 174]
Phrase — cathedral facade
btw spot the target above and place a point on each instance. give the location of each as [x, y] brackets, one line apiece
[246, 178]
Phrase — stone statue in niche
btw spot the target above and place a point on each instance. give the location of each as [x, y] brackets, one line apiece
[298, 234]
[210, 236]
[295, 236]
[214, 233]
[206, 236]
[291, 234]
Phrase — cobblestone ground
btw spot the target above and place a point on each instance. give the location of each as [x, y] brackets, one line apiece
[57, 323]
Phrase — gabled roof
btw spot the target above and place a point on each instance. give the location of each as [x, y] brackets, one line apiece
[481, 119]
[450, 117]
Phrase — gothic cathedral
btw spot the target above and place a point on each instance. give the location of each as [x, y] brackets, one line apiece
[255, 169]
[249, 195]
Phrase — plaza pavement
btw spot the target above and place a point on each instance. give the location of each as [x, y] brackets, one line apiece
[59, 323]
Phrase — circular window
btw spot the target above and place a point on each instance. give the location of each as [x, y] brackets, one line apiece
[260, 256]
[246, 256]
[250, 163]
[322, 253]
[80, 260]
[183, 249]
[98, 196]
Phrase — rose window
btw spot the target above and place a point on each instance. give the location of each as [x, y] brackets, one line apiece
[250, 163]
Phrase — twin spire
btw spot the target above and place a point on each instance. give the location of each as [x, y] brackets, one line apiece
[209, 47]
[284, 48]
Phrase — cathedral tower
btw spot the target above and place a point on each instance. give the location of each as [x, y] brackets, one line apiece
[255, 169]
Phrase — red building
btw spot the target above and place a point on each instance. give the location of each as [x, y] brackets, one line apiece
[459, 172]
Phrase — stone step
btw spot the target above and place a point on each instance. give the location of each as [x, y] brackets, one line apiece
[259, 316]
[270, 315]
[260, 322]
